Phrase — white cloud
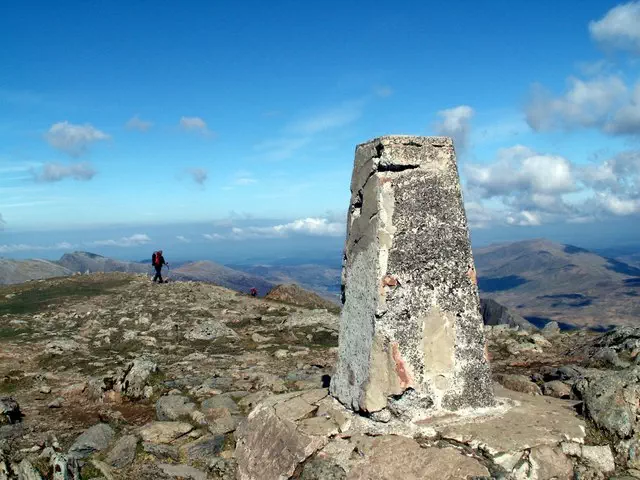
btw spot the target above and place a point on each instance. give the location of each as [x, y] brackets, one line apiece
[522, 187]
[136, 123]
[312, 226]
[199, 175]
[54, 172]
[337, 117]
[619, 28]
[132, 241]
[519, 169]
[455, 123]
[585, 104]
[627, 119]
[73, 139]
[213, 236]
[183, 239]
[194, 124]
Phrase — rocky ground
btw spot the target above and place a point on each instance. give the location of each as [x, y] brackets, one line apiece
[110, 376]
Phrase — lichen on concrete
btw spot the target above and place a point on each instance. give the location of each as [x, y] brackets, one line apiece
[411, 323]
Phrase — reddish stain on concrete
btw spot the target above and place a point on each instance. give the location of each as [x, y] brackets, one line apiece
[471, 273]
[390, 281]
[401, 370]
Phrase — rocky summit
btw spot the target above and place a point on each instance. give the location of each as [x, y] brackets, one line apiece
[110, 376]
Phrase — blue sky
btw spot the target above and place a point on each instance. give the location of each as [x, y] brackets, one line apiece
[129, 125]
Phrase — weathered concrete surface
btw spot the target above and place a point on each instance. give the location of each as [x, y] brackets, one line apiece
[411, 333]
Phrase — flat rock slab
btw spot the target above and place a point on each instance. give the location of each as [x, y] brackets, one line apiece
[183, 472]
[532, 421]
[391, 457]
[95, 439]
[164, 432]
[269, 445]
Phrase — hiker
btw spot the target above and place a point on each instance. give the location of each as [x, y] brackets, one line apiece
[157, 261]
[254, 292]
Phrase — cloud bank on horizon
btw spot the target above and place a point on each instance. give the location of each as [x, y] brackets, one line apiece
[570, 154]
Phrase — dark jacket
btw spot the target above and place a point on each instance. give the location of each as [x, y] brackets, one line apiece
[156, 263]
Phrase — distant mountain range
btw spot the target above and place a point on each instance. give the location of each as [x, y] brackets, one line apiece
[544, 280]
[537, 279]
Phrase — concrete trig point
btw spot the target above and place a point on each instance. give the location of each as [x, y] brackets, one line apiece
[411, 334]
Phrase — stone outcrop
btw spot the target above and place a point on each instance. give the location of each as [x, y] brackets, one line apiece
[411, 333]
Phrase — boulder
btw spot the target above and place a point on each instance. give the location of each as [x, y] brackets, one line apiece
[123, 452]
[95, 439]
[136, 376]
[174, 407]
[164, 432]
[203, 448]
[557, 389]
[611, 400]
[519, 383]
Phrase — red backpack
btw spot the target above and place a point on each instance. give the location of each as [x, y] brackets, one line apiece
[155, 258]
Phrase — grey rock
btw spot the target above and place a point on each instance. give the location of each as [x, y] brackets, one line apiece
[56, 403]
[494, 313]
[551, 328]
[322, 469]
[136, 376]
[164, 432]
[203, 448]
[95, 439]
[224, 469]
[26, 471]
[220, 401]
[519, 383]
[183, 472]
[123, 452]
[163, 452]
[9, 411]
[550, 463]
[557, 389]
[611, 400]
[174, 407]
[210, 330]
[599, 457]
[607, 357]
[407, 250]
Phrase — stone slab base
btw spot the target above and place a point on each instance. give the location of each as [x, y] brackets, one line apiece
[312, 434]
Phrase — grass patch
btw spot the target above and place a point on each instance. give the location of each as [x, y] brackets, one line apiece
[11, 333]
[35, 297]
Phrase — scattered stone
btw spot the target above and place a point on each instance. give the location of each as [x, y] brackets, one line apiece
[220, 401]
[9, 411]
[123, 452]
[61, 347]
[183, 472]
[210, 330]
[611, 399]
[519, 383]
[95, 439]
[399, 332]
[26, 471]
[599, 457]
[557, 389]
[322, 469]
[295, 409]
[136, 376]
[163, 452]
[204, 448]
[551, 328]
[547, 462]
[174, 407]
[45, 389]
[164, 432]
[56, 403]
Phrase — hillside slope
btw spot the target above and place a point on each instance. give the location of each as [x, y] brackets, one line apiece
[539, 278]
[19, 271]
[217, 274]
[296, 295]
